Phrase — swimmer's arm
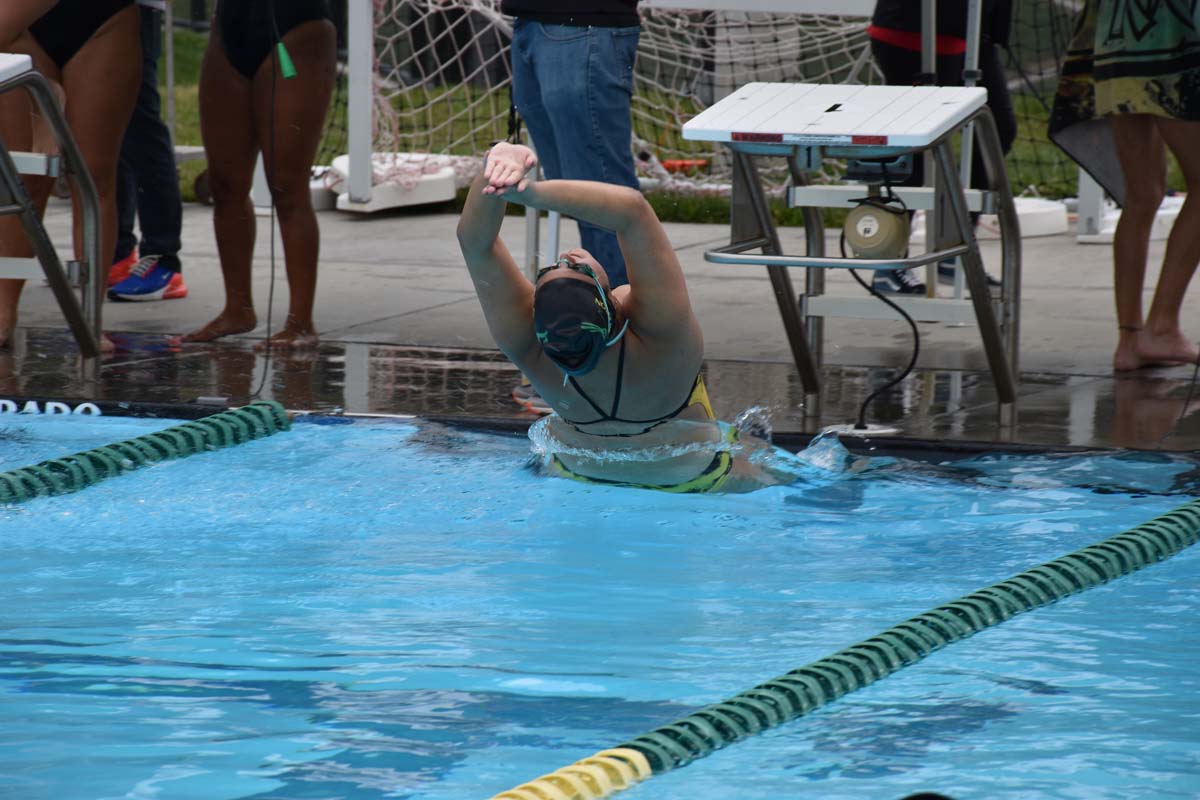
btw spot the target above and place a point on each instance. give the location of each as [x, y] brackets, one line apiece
[504, 292]
[659, 292]
[17, 15]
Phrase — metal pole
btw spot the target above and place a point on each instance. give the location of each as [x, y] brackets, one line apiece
[929, 41]
[998, 357]
[970, 78]
[933, 222]
[361, 82]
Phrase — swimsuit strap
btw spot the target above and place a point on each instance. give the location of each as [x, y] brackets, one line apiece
[697, 395]
[620, 379]
[616, 394]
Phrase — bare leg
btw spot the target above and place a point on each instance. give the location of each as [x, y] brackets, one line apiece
[98, 118]
[22, 129]
[97, 114]
[1144, 163]
[290, 116]
[1162, 338]
[231, 146]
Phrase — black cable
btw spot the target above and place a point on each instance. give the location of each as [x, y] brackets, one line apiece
[270, 168]
[884, 204]
[1183, 411]
[861, 424]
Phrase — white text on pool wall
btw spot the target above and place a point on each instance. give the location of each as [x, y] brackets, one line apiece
[51, 407]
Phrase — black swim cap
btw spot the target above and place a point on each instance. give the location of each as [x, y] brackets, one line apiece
[573, 321]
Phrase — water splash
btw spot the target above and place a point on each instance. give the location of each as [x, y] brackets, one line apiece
[826, 452]
[755, 421]
[824, 460]
[618, 449]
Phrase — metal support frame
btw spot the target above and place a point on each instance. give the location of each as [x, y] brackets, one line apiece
[84, 321]
[753, 227]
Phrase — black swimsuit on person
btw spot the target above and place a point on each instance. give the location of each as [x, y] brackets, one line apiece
[64, 29]
[612, 415]
[248, 31]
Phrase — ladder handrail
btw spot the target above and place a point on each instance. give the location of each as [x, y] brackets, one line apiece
[85, 323]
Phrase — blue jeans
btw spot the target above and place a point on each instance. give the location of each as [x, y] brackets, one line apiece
[147, 183]
[573, 86]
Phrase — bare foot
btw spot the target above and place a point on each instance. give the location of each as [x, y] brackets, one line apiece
[227, 323]
[299, 338]
[1171, 348]
[1148, 350]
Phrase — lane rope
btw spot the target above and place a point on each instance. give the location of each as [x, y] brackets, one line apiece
[79, 470]
[807, 688]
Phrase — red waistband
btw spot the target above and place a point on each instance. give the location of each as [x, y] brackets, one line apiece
[910, 40]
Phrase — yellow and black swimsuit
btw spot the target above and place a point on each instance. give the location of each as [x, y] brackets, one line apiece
[709, 480]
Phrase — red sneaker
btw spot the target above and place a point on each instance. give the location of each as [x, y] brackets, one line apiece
[176, 288]
[120, 270]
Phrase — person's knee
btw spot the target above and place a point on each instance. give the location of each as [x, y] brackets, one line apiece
[291, 198]
[228, 188]
[1143, 194]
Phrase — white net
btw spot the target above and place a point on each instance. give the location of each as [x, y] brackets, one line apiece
[442, 82]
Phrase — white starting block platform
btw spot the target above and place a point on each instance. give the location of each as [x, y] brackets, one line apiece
[774, 118]
[13, 65]
[807, 123]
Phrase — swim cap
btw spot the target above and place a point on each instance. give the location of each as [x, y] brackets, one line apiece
[573, 320]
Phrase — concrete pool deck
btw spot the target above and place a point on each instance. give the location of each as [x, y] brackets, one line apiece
[402, 333]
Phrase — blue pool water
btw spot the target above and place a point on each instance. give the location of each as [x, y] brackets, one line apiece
[382, 610]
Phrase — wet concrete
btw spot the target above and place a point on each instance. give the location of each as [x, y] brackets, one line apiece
[403, 334]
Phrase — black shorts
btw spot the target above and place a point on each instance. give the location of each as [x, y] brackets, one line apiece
[64, 29]
[250, 28]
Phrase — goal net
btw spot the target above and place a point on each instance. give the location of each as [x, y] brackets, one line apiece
[441, 83]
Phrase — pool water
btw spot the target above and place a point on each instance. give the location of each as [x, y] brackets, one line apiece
[385, 610]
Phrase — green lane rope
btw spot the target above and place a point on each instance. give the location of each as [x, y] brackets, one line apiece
[80, 470]
[809, 687]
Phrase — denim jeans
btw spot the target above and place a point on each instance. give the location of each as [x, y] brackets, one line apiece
[147, 183]
[573, 87]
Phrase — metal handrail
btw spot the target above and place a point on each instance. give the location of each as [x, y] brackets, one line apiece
[730, 255]
[84, 322]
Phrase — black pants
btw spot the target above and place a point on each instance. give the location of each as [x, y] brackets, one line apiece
[902, 67]
[147, 183]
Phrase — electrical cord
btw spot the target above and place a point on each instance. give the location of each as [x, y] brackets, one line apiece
[861, 423]
[1186, 402]
[270, 168]
[884, 204]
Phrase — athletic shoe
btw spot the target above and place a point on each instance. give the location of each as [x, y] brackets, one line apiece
[149, 281]
[946, 275]
[120, 270]
[897, 281]
[528, 398]
[176, 288]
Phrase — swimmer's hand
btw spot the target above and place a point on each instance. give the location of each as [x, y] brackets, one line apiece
[507, 167]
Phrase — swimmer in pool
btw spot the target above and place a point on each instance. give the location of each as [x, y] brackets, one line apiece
[620, 368]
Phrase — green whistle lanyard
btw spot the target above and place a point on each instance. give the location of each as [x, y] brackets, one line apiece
[286, 67]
